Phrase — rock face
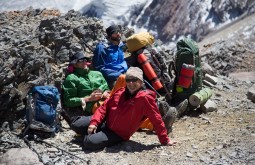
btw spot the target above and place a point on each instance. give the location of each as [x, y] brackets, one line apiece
[174, 18]
[33, 45]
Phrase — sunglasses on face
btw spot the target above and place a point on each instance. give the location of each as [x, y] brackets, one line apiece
[83, 60]
[131, 80]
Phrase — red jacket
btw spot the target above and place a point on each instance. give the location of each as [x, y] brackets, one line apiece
[124, 113]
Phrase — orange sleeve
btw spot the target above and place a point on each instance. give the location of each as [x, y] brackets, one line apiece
[120, 82]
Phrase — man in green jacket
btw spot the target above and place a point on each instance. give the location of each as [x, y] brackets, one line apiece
[83, 87]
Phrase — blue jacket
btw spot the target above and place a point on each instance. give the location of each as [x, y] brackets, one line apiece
[109, 60]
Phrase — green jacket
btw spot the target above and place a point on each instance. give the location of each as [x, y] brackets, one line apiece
[80, 84]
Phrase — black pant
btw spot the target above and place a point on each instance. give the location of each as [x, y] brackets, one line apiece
[103, 137]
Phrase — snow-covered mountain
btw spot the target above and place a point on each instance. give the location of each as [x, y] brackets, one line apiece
[110, 11]
[172, 19]
[168, 20]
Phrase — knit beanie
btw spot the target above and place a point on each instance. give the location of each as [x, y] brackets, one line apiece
[134, 72]
[112, 29]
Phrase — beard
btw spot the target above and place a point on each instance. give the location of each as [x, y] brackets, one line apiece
[116, 38]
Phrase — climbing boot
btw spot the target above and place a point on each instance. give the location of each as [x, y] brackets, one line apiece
[182, 107]
[168, 115]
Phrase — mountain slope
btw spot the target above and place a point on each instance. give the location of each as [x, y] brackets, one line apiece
[174, 18]
[168, 20]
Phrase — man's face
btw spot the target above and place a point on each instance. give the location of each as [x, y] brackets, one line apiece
[133, 84]
[116, 36]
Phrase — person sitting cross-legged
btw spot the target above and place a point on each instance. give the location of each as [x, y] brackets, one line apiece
[83, 87]
[121, 115]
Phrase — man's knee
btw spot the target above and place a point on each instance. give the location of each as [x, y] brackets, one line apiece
[79, 124]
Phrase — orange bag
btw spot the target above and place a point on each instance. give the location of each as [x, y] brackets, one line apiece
[149, 71]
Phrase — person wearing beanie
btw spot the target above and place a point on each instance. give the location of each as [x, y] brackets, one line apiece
[168, 113]
[121, 115]
[109, 57]
[82, 88]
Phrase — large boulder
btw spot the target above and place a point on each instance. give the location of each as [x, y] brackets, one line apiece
[18, 156]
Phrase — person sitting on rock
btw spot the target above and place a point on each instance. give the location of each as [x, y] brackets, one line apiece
[121, 115]
[109, 57]
[83, 87]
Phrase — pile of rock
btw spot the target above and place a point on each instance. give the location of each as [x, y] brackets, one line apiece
[34, 47]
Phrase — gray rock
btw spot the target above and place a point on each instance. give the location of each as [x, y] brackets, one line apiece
[17, 156]
[211, 79]
[209, 106]
[251, 94]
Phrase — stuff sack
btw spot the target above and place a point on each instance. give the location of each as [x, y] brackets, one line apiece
[139, 40]
[41, 110]
[188, 70]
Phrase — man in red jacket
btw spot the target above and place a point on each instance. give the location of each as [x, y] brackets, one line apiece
[121, 115]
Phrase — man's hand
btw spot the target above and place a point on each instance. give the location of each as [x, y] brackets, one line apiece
[106, 94]
[92, 129]
[95, 95]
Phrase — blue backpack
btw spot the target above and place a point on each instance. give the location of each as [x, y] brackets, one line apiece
[41, 111]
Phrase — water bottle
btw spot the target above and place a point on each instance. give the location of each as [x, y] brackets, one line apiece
[186, 75]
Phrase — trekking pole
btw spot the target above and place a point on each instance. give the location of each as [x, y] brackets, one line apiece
[41, 141]
[146, 82]
[89, 47]
[162, 67]
[30, 147]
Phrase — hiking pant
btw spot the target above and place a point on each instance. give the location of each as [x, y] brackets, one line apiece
[104, 137]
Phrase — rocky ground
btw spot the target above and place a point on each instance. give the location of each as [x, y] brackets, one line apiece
[225, 136]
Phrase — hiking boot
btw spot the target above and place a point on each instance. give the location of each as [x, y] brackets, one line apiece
[181, 108]
[39, 126]
[168, 115]
[163, 107]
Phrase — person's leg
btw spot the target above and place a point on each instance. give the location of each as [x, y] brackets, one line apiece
[80, 124]
[168, 114]
[104, 138]
[68, 113]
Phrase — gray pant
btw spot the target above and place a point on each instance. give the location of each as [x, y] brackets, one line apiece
[104, 137]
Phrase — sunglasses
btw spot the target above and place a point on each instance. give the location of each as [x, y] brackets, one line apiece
[132, 80]
[84, 60]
